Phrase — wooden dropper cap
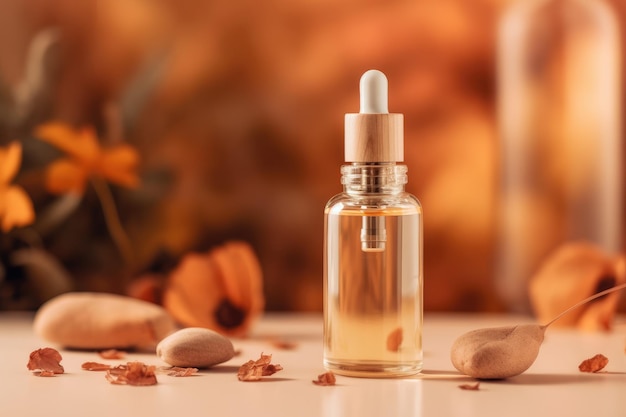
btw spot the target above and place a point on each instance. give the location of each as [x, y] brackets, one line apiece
[373, 134]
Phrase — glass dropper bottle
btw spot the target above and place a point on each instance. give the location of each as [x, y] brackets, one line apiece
[373, 249]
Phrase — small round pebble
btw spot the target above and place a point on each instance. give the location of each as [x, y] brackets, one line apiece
[195, 347]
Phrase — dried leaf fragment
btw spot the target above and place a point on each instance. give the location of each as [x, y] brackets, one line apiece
[325, 379]
[47, 361]
[470, 387]
[283, 344]
[95, 366]
[181, 372]
[133, 373]
[255, 370]
[118, 370]
[394, 340]
[112, 354]
[595, 364]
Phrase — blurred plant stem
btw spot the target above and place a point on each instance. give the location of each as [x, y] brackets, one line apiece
[112, 219]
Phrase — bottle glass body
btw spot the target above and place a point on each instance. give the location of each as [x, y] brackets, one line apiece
[373, 275]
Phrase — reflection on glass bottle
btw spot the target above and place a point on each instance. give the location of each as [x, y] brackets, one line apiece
[559, 115]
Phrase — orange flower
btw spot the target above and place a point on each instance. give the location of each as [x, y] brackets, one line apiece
[16, 209]
[221, 289]
[116, 164]
[571, 273]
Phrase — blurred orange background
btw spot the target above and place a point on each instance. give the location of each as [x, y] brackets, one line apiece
[236, 109]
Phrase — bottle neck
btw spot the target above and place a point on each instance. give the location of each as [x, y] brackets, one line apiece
[374, 178]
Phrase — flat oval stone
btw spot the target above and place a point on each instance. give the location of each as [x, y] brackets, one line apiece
[195, 347]
[87, 320]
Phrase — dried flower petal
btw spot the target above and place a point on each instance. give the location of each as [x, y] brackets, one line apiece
[394, 340]
[95, 366]
[112, 379]
[133, 373]
[255, 370]
[118, 370]
[248, 372]
[112, 354]
[595, 364]
[271, 369]
[46, 360]
[325, 379]
[470, 387]
[283, 344]
[182, 372]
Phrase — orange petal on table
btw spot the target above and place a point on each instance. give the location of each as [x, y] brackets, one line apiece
[16, 208]
[65, 176]
[10, 158]
[325, 379]
[81, 144]
[119, 164]
[47, 360]
[256, 370]
[594, 364]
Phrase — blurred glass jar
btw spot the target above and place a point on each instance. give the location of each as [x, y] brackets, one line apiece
[560, 129]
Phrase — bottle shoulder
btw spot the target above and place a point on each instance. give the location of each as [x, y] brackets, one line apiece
[404, 202]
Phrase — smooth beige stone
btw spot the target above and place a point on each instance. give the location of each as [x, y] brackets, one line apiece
[195, 347]
[499, 352]
[85, 320]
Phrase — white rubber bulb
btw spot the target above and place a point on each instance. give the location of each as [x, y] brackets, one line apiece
[374, 93]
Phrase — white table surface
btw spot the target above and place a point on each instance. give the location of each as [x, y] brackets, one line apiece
[553, 386]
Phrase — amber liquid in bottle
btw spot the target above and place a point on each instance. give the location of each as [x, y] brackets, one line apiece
[373, 275]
